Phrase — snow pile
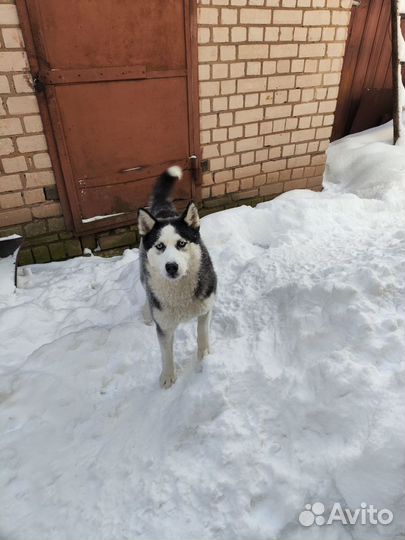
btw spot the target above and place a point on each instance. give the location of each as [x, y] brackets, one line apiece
[367, 165]
[7, 264]
[301, 400]
[7, 268]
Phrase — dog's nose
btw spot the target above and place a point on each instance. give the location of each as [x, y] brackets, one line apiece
[171, 268]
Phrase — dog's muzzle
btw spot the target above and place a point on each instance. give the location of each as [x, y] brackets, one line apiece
[172, 269]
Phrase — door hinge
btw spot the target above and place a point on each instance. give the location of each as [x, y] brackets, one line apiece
[39, 85]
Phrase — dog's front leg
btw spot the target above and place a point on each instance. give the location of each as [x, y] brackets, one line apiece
[203, 337]
[168, 375]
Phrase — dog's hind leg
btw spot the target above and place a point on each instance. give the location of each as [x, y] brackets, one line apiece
[203, 337]
[166, 339]
[147, 314]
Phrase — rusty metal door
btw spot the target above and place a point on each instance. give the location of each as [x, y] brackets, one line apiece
[118, 82]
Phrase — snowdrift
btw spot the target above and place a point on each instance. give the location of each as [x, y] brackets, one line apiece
[301, 400]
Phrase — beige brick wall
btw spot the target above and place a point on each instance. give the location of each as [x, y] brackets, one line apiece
[25, 163]
[269, 77]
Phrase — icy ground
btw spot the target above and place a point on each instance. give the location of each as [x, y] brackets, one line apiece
[301, 400]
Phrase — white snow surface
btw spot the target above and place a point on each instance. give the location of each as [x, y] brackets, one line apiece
[302, 399]
[7, 270]
[98, 218]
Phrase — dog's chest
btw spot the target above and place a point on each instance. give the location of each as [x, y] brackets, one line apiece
[177, 300]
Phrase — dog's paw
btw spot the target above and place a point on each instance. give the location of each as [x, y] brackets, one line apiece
[203, 353]
[167, 379]
[199, 367]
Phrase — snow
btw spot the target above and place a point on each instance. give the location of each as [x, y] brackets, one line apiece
[401, 58]
[98, 218]
[301, 400]
[10, 237]
[7, 269]
[401, 105]
[401, 43]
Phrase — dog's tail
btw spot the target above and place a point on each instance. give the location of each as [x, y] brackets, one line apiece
[161, 196]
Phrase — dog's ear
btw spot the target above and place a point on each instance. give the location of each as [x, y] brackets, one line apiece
[191, 217]
[145, 221]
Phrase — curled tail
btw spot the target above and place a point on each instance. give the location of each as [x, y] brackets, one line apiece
[161, 204]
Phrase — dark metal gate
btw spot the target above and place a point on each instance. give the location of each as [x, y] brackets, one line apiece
[365, 93]
[119, 100]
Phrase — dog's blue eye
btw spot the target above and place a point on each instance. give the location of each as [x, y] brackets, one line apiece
[160, 246]
[181, 244]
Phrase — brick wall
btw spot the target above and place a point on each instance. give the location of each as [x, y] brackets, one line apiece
[26, 172]
[269, 74]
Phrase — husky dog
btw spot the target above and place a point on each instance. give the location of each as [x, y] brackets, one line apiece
[176, 271]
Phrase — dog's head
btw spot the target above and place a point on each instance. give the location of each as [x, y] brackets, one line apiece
[170, 244]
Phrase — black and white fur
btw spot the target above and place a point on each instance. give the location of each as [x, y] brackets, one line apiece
[176, 271]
